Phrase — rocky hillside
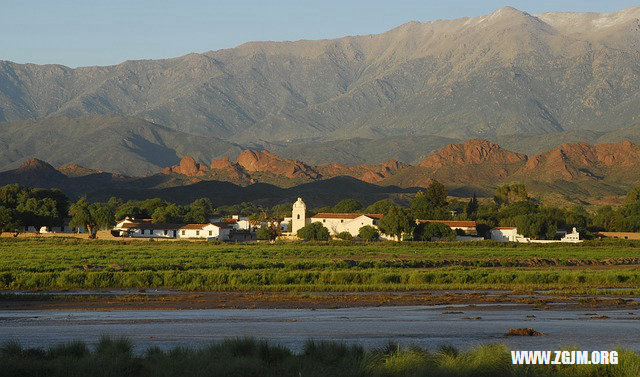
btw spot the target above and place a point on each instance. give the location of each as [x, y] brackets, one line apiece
[505, 73]
[263, 166]
[573, 171]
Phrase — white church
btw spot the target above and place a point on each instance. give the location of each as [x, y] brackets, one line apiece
[334, 222]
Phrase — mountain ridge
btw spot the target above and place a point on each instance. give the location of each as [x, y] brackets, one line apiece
[508, 72]
[573, 170]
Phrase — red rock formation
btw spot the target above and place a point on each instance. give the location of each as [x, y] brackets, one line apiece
[75, 170]
[580, 160]
[265, 161]
[472, 152]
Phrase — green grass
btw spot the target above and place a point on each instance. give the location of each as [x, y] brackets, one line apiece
[249, 357]
[53, 264]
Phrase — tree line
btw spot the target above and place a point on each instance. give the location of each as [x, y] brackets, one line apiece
[511, 205]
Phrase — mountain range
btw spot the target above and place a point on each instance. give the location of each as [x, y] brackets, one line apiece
[509, 75]
[573, 172]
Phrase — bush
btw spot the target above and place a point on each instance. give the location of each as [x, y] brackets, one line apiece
[267, 233]
[433, 231]
[314, 232]
[368, 233]
[344, 236]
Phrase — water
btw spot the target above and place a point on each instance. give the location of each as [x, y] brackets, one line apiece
[425, 326]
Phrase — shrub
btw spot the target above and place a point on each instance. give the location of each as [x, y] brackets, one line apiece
[368, 233]
[314, 232]
[433, 231]
[267, 233]
[344, 236]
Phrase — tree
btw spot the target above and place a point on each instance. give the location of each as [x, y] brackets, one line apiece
[199, 211]
[396, 222]
[8, 222]
[344, 236]
[472, 208]
[633, 196]
[536, 226]
[171, 214]
[103, 215]
[508, 194]
[347, 206]
[81, 217]
[433, 231]
[314, 232]
[267, 233]
[381, 206]
[437, 194]
[432, 203]
[368, 233]
[282, 210]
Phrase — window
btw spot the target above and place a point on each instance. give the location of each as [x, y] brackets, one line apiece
[324, 220]
[197, 232]
[166, 232]
[341, 221]
[298, 217]
[183, 232]
[211, 232]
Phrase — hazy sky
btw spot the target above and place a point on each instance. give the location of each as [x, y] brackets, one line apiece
[102, 32]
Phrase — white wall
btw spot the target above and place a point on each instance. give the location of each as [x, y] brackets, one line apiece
[352, 226]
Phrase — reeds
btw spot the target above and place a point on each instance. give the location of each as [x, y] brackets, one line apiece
[250, 357]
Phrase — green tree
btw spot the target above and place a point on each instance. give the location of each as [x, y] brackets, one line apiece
[432, 203]
[314, 232]
[103, 215]
[8, 222]
[344, 236]
[267, 233]
[472, 208]
[437, 194]
[368, 233]
[433, 231]
[381, 206]
[633, 196]
[199, 212]
[536, 226]
[281, 211]
[81, 217]
[509, 194]
[397, 222]
[347, 206]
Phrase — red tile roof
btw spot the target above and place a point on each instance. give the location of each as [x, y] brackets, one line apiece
[504, 228]
[452, 223]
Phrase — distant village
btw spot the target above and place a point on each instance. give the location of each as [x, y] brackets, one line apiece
[239, 228]
[512, 216]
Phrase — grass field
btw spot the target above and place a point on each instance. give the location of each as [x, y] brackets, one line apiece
[248, 357]
[58, 263]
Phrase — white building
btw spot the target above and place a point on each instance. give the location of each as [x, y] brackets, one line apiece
[145, 228]
[334, 222]
[346, 222]
[510, 234]
[218, 231]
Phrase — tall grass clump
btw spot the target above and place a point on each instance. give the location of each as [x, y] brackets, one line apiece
[250, 357]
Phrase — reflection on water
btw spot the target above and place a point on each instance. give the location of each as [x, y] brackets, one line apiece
[428, 327]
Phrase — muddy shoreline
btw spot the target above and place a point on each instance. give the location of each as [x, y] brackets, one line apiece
[168, 300]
